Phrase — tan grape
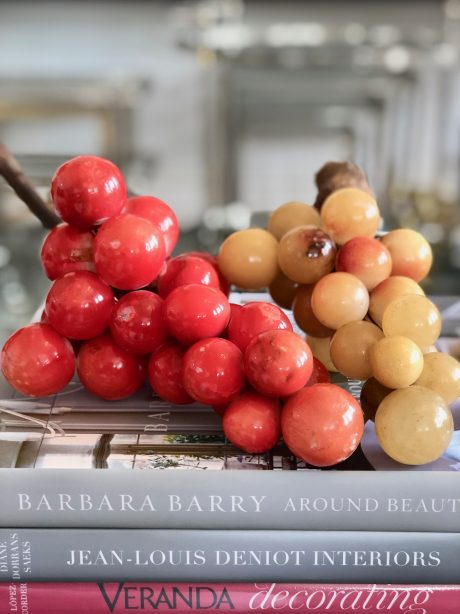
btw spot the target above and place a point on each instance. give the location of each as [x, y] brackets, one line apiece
[441, 373]
[306, 254]
[339, 298]
[249, 258]
[413, 316]
[396, 362]
[350, 348]
[320, 347]
[414, 425]
[289, 216]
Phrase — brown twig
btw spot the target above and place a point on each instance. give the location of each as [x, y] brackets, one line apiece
[14, 176]
[335, 175]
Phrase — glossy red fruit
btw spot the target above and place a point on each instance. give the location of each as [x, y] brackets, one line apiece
[37, 361]
[366, 258]
[128, 252]
[87, 191]
[319, 375]
[195, 312]
[220, 409]
[137, 323]
[322, 424]
[213, 371]
[234, 308]
[184, 270]
[67, 249]
[223, 283]
[160, 215]
[107, 371]
[254, 318]
[252, 422]
[278, 363]
[79, 305]
[165, 374]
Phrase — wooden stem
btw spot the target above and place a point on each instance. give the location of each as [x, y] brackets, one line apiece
[335, 175]
[14, 176]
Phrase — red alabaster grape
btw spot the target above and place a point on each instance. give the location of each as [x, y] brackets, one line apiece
[366, 258]
[322, 424]
[195, 312]
[213, 371]
[137, 323]
[254, 318]
[252, 422]
[165, 373]
[87, 191]
[183, 270]
[67, 249]
[319, 374]
[223, 283]
[160, 215]
[278, 362]
[37, 361]
[79, 305]
[107, 371]
[128, 252]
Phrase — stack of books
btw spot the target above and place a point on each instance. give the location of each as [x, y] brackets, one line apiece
[140, 506]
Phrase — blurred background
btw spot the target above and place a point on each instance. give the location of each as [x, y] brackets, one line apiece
[225, 108]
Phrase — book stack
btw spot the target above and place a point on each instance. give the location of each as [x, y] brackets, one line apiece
[140, 506]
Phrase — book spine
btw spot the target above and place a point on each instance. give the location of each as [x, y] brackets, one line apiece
[278, 500]
[228, 556]
[124, 597]
[123, 422]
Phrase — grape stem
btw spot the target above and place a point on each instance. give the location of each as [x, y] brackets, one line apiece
[335, 175]
[15, 177]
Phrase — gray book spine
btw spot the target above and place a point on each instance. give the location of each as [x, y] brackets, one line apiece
[228, 556]
[177, 499]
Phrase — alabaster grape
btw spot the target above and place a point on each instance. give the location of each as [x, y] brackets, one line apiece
[249, 258]
[441, 373]
[413, 316]
[414, 425]
[388, 290]
[306, 254]
[396, 362]
[350, 348]
[349, 213]
[339, 298]
[289, 216]
[411, 253]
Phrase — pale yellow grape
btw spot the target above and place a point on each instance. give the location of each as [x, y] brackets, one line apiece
[414, 425]
[441, 373]
[413, 316]
[396, 362]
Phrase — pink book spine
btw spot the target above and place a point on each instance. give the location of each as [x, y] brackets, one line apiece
[127, 597]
